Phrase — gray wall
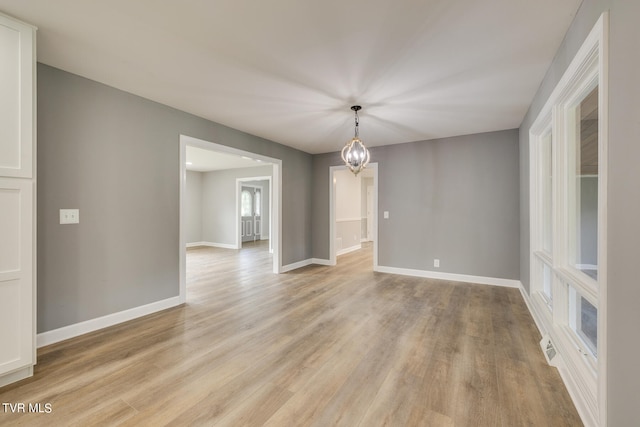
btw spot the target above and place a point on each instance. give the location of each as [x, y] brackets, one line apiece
[193, 206]
[623, 205]
[219, 202]
[115, 156]
[455, 199]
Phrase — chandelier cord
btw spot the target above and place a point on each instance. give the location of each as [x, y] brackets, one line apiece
[357, 133]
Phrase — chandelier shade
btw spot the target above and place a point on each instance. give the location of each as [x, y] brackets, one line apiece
[355, 154]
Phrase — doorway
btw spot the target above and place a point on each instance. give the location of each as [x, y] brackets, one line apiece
[353, 207]
[250, 213]
[253, 204]
[275, 204]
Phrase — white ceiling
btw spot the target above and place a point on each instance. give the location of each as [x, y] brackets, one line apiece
[288, 70]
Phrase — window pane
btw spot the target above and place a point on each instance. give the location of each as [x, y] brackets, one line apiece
[247, 203]
[583, 191]
[583, 319]
[258, 202]
[546, 183]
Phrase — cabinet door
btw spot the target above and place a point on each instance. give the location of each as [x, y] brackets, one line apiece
[17, 189]
[16, 274]
[16, 98]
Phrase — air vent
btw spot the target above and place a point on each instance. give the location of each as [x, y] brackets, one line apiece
[550, 352]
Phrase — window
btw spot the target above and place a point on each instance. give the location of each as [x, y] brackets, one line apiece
[546, 180]
[568, 146]
[246, 208]
[582, 141]
[258, 202]
[583, 320]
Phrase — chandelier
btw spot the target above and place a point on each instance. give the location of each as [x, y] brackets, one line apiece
[354, 154]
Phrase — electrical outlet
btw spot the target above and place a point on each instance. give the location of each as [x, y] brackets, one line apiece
[436, 263]
[69, 216]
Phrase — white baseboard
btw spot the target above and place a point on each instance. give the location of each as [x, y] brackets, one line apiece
[450, 276]
[347, 250]
[195, 244]
[587, 415]
[321, 261]
[71, 331]
[16, 376]
[575, 391]
[539, 324]
[212, 245]
[304, 263]
[295, 265]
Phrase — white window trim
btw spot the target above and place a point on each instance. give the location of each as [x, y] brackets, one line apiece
[586, 385]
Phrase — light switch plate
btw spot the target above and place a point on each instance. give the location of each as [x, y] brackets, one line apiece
[69, 216]
[386, 214]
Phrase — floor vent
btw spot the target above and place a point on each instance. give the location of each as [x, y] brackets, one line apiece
[550, 352]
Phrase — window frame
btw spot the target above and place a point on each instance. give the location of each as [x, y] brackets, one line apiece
[584, 375]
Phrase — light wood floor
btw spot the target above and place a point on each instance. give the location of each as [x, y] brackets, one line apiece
[319, 346]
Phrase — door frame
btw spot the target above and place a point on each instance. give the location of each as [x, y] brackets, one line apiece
[369, 226]
[239, 185]
[276, 205]
[332, 214]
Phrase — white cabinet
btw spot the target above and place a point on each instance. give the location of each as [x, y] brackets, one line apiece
[17, 200]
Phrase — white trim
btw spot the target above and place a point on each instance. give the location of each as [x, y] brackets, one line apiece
[296, 265]
[77, 329]
[575, 392]
[481, 280]
[306, 262]
[16, 376]
[182, 226]
[349, 249]
[348, 219]
[603, 159]
[320, 261]
[574, 389]
[575, 385]
[539, 324]
[196, 244]
[586, 267]
[212, 245]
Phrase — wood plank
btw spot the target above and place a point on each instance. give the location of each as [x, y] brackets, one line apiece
[313, 347]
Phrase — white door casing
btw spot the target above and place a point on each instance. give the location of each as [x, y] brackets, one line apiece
[370, 213]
